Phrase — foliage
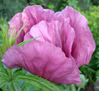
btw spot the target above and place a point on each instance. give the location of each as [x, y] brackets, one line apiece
[17, 80]
[56, 5]
[6, 40]
[10, 7]
[95, 2]
[97, 87]
[84, 4]
[73, 3]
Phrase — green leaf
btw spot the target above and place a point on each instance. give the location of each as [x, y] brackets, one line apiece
[3, 74]
[28, 87]
[22, 43]
[20, 31]
[8, 41]
[73, 88]
[0, 57]
[3, 71]
[5, 87]
[16, 86]
[17, 73]
[3, 80]
[24, 71]
[38, 82]
[11, 37]
[84, 82]
[11, 86]
[51, 6]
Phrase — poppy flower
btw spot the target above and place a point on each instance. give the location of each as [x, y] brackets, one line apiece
[66, 44]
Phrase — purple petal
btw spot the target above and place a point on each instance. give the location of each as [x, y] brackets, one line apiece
[45, 60]
[84, 44]
[34, 14]
[30, 15]
[61, 34]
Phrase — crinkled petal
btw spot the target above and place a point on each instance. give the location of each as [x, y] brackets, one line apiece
[34, 14]
[84, 44]
[50, 32]
[45, 60]
[69, 36]
[61, 34]
[30, 16]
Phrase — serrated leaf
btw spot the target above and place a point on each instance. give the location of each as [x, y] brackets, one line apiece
[2, 84]
[8, 41]
[24, 71]
[22, 43]
[38, 82]
[30, 88]
[84, 82]
[27, 87]
[17, 73]
[22, 84]
[3, 80]
[3, 74]
[16, 86]
[11, 86]
[3, 71]
[5, 87]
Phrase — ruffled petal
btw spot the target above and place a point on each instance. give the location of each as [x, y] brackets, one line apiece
[34, 14]
[69, 36]
[61, 34]
[50, 32]
[84, 44]
[45, 60]
[30, 16]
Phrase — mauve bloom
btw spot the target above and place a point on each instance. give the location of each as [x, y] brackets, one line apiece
[65, 45]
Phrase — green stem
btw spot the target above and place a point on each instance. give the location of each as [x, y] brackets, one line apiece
[10, 79]
[73, 87]
[10, 73]
[78, 89]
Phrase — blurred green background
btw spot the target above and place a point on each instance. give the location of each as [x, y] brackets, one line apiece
[89, 8]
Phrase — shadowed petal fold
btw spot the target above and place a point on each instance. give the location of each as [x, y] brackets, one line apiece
[61, 34]
[83, 44]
